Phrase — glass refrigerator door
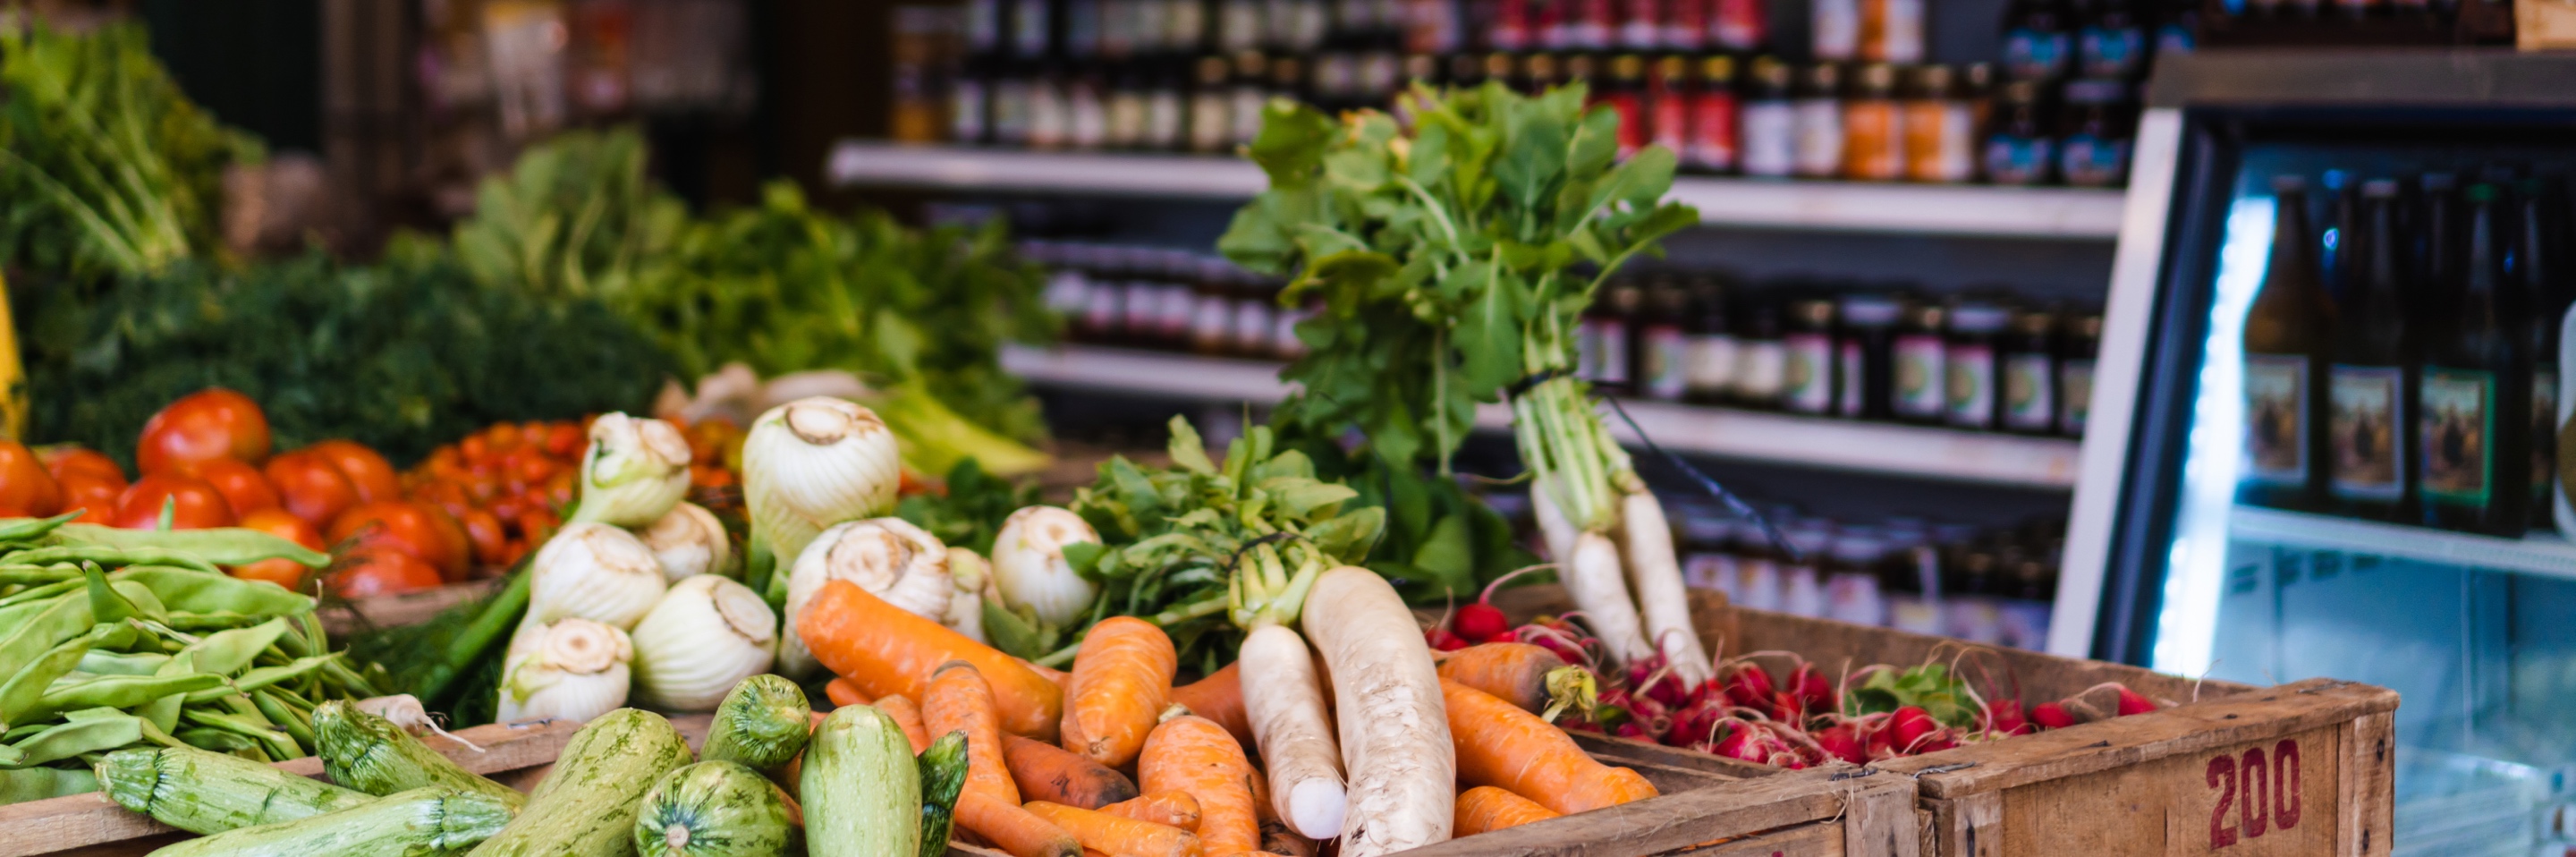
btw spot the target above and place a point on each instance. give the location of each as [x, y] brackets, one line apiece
[2168, 568]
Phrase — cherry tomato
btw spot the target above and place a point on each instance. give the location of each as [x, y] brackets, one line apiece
[207, 424]
[474, 448]
[565, 440]
[194, 503]
[537, 525]
[506, 508]
[24, 484]
[92, 494]
[559, 487]
[414, 528]
[484, 531]
[281, 571]
[67, 458]
[502, 436]
[309, 486]
[537, 468]
[381, 571]
[244, 489]
[367, 471]
[447, 496]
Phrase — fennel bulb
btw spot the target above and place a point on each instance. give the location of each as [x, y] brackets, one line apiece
[812, 463]
[708, 634]
[888, 557]
[633, 472]
[596, 572]
[1029, 568]
[573, 669]
[689, 541]
[968, 576]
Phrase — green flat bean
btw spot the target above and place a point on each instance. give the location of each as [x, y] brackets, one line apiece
[122, 691]
[222, 741]
[33, 635]
[26, 784]
[273, 739]
[229, 652]
[111, 555]
[113, 663]
[350, 680]
[162, 712]
[182, 591]
[297, 724]
[36, 575]
[31, 529]
[105, 603]
[223, 546]
[19, 733]
[264, 677]
[202, 622]
[73, 739]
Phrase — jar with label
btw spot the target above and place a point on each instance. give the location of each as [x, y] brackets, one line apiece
[1770, 121]
[1709, 347]
[1762, 356]
[1916, 377]
[2021, 149]
[2029, 373]
[1212, 299]
[1739, 25]
[2038, 39]
[1669, 92]
[2110, 39]
[1104, 312]
[1940, 127]
[2075, 373]
[1873, 127]
[1976, 331]
[1891, 31]
[1709, 144]
[1256, 307]
[1249, 88]
[1808, 332]
[1819, 122]
[1663, 343]
[1834, 29]
[1863, 350]
[1802, 585]
[1851, 571]
[1625, 93]
[2099, 125]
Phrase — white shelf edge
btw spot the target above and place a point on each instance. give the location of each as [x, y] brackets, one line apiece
[2542, 554]
[2069, 213]
[1778, 438]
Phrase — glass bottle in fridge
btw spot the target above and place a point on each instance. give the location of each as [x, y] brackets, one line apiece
[1256, 313]
[1863, 353]
[1915, 373]
[1711, 144]
[2370, 384]
[1625, 92]
[1710, 350]
[1739, 25]
[2110, 39]
[1818, 122]
[1663, 341]
[2540, 265]
[1669, 91]
[1248, 89]
[1212, 296]
[1211, 127]
[2474, 390]
[2287, 335]
[2028, 369]
[1807, 384]
[1891, 31]
[1968, 364]
[1833, 29]
[1802, 586]
[1770, 120]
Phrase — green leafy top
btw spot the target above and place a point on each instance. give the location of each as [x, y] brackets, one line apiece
[1443, 254]
[574, 216]
[1930, 686]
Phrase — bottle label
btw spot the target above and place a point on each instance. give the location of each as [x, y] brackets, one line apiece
[2091, 161]
[1510, 30]
[1937, 141]
[1667, 363]
[2457, 435]
[1050, 116]
[1141, 308]
[1807, 384]
[2018, 160]
[1710, 570]
[1246, 113]
[1252, 323]
[1892, 31]
[2034, 54]
[1184, 25]
[2074, 395]
[1709, 364]
[1632, 121]
[1127, 113]
[2276, 414]
[1587, 349]
[1770, 138]
[1971, 387]
[1740, 25]
[1641, 28]
[1762, 370]
[1757, 582]
[1180, 308]
[1873, 141]
[1801, 594]
[2544, 430]
[1086, 117]
[1851, 398]
[1685, 25]
[1668, 116]
[1611, 337]
[1836, 28]
[966, 110]
[2174, 39]
[1211, 322]
[2027, 403]
[1284, 342]
[1819, 133]
[1210, 129]
[2111, 52]
[2367, 407]
[1916, 389]
[1711, 143]
[1011, 112]
[1239, 25]
[1068, 292]
[1163, 122]
[1029, 29]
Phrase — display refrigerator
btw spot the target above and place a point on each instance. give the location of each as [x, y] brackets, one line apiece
[2330, 350]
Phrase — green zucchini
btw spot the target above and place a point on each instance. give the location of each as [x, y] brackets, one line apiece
[713, 809]
[762, 724]
[943, 775]
[371, 754]
[862, 791]
[587, 807]
[416, 823]
[206, 792]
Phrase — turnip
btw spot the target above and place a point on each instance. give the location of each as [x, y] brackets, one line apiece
[1588, 565]
[1394, 728]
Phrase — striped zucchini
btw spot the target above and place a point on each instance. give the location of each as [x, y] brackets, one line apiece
[371, 754]
[206, 792]
[418, 823]
[713, 809]
[588, 806]
[762, 724]
[943, 775]
[862, 792]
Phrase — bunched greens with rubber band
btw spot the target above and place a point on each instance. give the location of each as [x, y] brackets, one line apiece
[1454, 259]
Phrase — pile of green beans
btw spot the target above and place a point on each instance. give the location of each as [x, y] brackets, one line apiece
[114, 638]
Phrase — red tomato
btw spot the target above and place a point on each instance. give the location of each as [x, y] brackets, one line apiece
[244, 489]
[538, 524]
[195, 505]
[414, 528]
[449, 497]
[368, 471]
[282, 524]
[24, 484]
[502, 436]
[67, 458]
[484, 531]
[309, 486]
[565, 440]
[474, 448]
[537, 468]
[381, 571]
[210, 423]
[92, 494]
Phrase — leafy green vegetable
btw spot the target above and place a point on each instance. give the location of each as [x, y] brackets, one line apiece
[1929, 686]
[573, 217]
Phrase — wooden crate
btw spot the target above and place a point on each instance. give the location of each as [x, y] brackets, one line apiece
[2173, 781]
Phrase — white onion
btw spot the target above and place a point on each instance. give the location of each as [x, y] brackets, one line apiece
[633, 472]
[689, 541]
[573, 669]
[888, 557]
[1029, 568]
[596, 572]
[812, 463]
[968, 576]
[708, 634]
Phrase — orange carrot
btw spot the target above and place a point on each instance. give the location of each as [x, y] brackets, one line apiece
[1117, 834]
[1050, 773]
[1485, 808]
[1059, 677]
[884, 650]
[1500, 745]
[1177, 809]
[1219, 697]
[908, 716]
[1121, 681]
[1011, 828]
[1194, 755]
[959, 699]
[842, 692]
[1515, 672]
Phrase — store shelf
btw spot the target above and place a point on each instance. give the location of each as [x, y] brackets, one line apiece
[2537, 554]
[1779, 438]
[2072, 213]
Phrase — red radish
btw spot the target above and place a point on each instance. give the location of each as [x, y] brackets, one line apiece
[1749, 686]
[1842, 741]
[1815, 694]
[2005, 718]
[1651, 677]
[1908, 728]
[2051, 715]
[1441, 639]
[1480, 621]
[1696, 722]
[2133, 702]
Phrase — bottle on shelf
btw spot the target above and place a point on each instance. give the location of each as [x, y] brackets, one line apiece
[2474, 390]
[1669, 93]
[1891, 31]
[2028, 369]
[1762, 356]
[2287, 334]
[2539, 243]
[1976, 329]
[970, 94]
[2020, 147]
[2371, 385]
[1940, 127]
[1739, 25]
[1710, 351]
[1873, 146]
[1818, 122]
[1769, 121]
[1211, 96]
[1625, 92]
[1711, 143]
[1864, 352]
[1833, 29]
[2096, 133]
[1663, 364]
[1808, 334]
[1213, 294]
[1851, 571]
[1249, 88]
[2075, 373]
[1916, 376]
[2110, 39]
[2038, 39]
[1608, 324]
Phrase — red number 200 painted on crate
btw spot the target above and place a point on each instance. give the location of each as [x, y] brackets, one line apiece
[2265, 795]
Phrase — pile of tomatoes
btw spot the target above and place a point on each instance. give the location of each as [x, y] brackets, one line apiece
[509, 484]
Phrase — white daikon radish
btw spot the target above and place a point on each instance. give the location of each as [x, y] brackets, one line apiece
[1394, 728]
[1656, 576]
